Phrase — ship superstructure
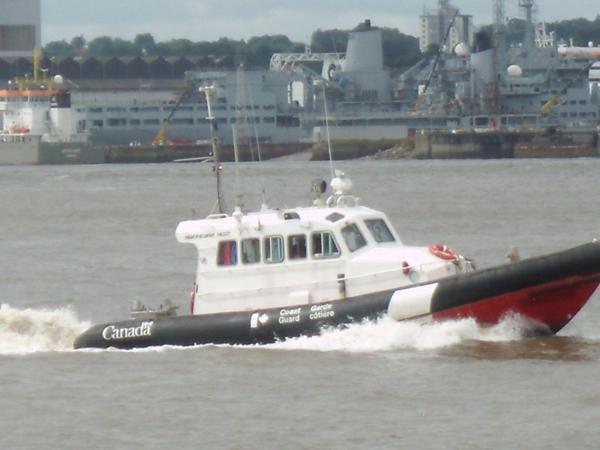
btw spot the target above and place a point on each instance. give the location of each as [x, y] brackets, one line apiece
[39, 125]
[478, 84]
[533, 83]
[133, 114]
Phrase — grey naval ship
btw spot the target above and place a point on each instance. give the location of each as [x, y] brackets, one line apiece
[476, 97]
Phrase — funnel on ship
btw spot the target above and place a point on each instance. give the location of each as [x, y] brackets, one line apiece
[365, 49]
[362, 74]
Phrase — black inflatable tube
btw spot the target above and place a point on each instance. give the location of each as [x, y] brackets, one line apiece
[281, 323]
[461, 289]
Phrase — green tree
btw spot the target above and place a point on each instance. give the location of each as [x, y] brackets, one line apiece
[400, 50]
[144, 44]
[122, 47]
[58, 48]
[329, 41]
[259, 49]
[581, 31]
[101, 46]
[78, 44]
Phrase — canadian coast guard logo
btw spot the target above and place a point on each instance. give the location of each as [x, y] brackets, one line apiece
[257, 320]
[113, 333]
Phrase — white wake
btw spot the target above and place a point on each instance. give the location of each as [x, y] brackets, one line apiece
[24, 331]
[387, 335]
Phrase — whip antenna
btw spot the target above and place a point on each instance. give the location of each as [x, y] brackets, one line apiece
[328, 135]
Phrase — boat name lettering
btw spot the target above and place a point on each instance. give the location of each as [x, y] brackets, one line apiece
[112, 332]
[289, 316]
[199, 236]
[318, 312]
[224, 233]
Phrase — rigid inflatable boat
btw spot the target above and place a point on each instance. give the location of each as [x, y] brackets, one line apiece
[276, 274]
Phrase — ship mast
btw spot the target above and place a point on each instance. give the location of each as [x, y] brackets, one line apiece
[499, 55]
[215, 147]
[528, 7]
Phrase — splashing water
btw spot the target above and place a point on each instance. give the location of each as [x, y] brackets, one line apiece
[24, 331]
[387, 335]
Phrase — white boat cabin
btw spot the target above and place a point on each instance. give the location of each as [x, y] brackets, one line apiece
[282, 258]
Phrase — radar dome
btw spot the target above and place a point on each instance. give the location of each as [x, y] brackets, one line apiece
[514, 71]
[462, 50]
[340, 184]
[58, 79]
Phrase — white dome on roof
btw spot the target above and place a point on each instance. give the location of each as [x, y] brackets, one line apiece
[514, 71]
[462, 50]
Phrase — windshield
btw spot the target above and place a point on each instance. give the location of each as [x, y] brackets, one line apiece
[379, 230]
[353, 237]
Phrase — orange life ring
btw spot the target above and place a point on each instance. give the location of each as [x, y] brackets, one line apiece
[443, 251]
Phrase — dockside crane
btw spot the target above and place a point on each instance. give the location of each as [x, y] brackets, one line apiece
[439, 52]
[160, 138]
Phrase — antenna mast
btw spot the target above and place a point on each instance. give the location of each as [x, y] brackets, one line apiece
[328, 135]
[499, 50]
[215, 147]
[528, 6]
[238, 191]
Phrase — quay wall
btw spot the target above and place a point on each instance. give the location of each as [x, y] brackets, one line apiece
[169, 153]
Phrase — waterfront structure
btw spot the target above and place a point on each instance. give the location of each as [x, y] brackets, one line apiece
[127, 101]
[20, 28]
[108, 68]
[132, 111]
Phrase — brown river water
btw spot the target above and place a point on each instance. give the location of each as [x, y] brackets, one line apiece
[78, 244]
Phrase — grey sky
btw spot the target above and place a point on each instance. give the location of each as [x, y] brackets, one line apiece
[241, 19]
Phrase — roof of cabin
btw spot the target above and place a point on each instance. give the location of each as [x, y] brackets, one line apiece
[274, 217]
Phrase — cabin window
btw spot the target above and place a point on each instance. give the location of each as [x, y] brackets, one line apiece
[324, 245]
[292, 215]
[297, 246]
[273, 249]
[250, 251]
[227, 253]
[353, 237]
[379, 230]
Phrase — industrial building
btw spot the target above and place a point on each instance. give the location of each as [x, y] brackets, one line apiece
[445, 19]
[20, 27]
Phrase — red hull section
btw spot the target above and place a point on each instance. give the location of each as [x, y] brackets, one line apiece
[553, 304]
